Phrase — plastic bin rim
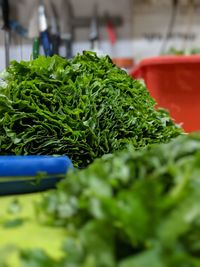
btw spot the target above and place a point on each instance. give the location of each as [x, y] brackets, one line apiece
[160, 60]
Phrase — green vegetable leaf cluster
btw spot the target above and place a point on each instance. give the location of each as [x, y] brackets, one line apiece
[177, 52]
[84, 108]
[132, 209]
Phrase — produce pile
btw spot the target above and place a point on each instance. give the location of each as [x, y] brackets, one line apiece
[135, 206]
[177, 52]
[130, 209]
[83, 108]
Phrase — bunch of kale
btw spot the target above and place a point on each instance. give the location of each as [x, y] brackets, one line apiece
[84, 108]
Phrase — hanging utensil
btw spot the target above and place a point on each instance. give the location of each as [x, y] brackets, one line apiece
[94, 30]
[110, 29]
[54, 27]
[66, 27]
[189, 23]
[170, 26]
[33, 31]
[36, 47]
[43, 29]
[6, 28]
[94, 33]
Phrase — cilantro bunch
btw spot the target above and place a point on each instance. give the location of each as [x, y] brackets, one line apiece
[132, 209]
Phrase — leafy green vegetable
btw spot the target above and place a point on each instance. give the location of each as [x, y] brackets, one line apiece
[192, 51]
[84, 108]
[130, 209]
[135, 208]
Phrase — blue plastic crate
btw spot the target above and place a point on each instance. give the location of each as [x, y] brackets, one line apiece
[27, 174]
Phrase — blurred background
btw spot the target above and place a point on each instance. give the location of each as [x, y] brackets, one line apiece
[127, 30]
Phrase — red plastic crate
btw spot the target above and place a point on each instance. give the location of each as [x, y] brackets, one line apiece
[174, 81]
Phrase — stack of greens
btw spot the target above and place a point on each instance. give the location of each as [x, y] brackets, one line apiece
[84, 108]
[131, 209]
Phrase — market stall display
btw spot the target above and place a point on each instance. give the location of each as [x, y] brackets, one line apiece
[98, 165]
